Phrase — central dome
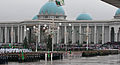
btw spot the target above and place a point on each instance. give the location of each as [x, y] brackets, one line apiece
[51, 8]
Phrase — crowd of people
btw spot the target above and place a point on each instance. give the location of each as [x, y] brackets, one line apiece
[111, 45]
[59, 47]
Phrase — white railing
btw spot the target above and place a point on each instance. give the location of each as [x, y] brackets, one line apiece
[2, 50]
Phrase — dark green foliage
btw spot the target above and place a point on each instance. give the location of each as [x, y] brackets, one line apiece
[25, 43]
[49, 43]
[99, 53]
[29, 36]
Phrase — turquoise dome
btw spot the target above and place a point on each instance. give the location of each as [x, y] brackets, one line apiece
[35, 17]
[84, 17]
[117, 12]
[51, 8]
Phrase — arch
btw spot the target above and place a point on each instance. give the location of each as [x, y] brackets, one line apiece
[112, 34]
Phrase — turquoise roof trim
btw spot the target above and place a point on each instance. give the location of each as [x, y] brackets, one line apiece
[84, 17]
[35, 17]
[117, 12]
[51, 8]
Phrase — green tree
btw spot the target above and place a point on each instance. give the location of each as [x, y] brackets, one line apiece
[25, 43]
[49, 43]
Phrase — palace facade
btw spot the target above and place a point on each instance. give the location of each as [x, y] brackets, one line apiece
[52, 20]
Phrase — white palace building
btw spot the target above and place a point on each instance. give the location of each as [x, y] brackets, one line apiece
[52, 20]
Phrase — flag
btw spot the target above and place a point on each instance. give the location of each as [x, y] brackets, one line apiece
[59, 2]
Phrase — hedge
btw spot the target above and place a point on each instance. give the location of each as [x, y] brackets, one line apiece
[99, 53]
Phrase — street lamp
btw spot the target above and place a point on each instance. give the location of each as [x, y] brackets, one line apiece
[87, 35]
[36, 33]
[69, 33]
[34, 27]
[58, 28]
[53, 29]
[45, 25]
[53, 32]
[60, 24]
[58, 32]
[27, 28]
[70, 24]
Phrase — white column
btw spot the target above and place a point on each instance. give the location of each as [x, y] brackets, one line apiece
[58, 35]
[8, 35]
[45, 57]
[39, 33]
[87, 35]
[65, 34]
[18, 34]
[49, 29]
[25, 31]
[12, 34]
[51, 56]
[5, 34]
[95, 28]
[80, 40]
[21, 38]
[0, 34]
[109, 34]
[73, 36]
[103, 34]
[116, 33]
[116, 36]
[53, 39]
[14, 37]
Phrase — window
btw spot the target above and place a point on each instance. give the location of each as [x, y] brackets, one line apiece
[46, 16]
[57, 16]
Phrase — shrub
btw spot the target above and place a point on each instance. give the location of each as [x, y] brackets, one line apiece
[99, 53]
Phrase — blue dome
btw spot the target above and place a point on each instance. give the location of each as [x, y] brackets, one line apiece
[117, 12]
[84, 17]
[35, 17]
[51, 8]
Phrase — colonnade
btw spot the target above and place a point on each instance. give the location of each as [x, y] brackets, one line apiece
[81, 34]
[115, 32]
[16, 34]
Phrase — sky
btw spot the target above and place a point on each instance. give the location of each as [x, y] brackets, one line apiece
[27, 9]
